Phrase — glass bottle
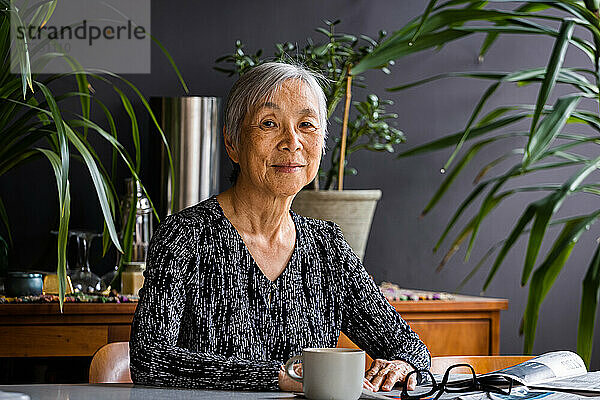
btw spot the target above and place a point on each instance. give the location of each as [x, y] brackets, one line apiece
[132, 271]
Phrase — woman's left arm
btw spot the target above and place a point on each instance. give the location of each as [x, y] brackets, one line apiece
[371, 322]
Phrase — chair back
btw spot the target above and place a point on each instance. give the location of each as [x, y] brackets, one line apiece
[110, 364]
[481, 364]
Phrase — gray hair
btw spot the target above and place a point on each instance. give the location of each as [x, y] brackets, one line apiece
[262, 81]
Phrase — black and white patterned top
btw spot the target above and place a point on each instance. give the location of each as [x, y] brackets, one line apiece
[209, 318]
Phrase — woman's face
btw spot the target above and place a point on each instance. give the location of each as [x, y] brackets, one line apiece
[281, 141]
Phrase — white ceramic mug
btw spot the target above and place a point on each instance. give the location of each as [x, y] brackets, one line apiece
[329, 373]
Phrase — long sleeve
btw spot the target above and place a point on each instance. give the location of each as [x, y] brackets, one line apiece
[370, 321]
[157, 358]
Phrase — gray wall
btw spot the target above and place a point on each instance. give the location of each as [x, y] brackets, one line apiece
[399, 250]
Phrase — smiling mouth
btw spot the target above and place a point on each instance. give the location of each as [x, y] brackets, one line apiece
[287, 168]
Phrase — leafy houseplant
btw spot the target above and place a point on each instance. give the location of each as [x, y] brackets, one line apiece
[562, 135]
[34, 124]
[333, 57]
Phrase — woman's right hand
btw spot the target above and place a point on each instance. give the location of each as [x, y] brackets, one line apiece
[287, 384]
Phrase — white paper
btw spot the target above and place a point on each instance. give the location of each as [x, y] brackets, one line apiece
[589, 382]
[544, 368]
[13, 396]
[522, 393]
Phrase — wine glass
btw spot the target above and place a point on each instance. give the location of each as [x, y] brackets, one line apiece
[82, 278]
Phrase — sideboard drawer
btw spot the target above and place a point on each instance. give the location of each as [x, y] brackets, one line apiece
[52, 340]
[455, 338]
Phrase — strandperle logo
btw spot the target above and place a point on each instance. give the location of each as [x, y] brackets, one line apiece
[111, 35]
[84, 32]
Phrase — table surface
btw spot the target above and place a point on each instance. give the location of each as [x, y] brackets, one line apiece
[126, 391]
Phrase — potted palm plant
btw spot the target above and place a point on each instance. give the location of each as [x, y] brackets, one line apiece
[33, 124]
[562, 135]
[369, 127]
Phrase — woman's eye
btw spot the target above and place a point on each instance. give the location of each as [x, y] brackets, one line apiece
[268, 124]
[307, 125]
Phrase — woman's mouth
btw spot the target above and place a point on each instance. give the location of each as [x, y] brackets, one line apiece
[288, 168]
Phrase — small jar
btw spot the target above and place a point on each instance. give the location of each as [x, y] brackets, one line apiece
[132, 278]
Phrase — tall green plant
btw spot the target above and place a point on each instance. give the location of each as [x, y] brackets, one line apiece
[333, 56]
[34, 124]
[561, 134]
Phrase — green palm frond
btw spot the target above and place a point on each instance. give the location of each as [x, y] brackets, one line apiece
[30, 114]
[559, 137]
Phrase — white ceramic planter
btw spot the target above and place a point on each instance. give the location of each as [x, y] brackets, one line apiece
[352, 210]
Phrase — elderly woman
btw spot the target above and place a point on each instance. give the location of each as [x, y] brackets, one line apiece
[239, 283]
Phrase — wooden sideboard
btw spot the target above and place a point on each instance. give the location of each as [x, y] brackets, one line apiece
[466, 325]
[40, 330]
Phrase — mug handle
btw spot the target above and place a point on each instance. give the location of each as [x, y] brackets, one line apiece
[289, 368]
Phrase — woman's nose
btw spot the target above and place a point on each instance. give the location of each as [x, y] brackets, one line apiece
[291, 139]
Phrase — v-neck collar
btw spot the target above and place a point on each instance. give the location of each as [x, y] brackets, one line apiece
[245, 252]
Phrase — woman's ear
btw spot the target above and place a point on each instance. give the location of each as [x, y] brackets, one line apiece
[232, 151]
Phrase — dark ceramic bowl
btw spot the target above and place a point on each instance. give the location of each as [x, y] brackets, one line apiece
[23, 284]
